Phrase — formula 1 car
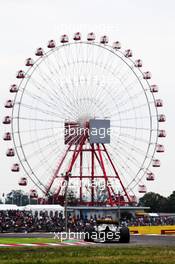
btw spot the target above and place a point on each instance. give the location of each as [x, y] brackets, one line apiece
[106, 230]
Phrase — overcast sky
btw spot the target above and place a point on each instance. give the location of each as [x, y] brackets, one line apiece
[147, 27]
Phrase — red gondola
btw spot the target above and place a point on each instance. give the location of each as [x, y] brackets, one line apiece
[8, 104]
[7, 120]
[13, 88]
[51, 44]
[64, 39]
[147, 75]
[128, 53]
[7, 136]
[39, 52]
[150, 176]
[156, 163]
[162, 133]
[29, 62]
[15, 167]
[160, 148]
[33, 194]
[161, 118]
[104, 40]
[154, 88]
[20, 74]
[142, 188]
[10, 152]
[91, 36]
[22, 182]
[138, 63]
[77, 36]
[116, 45]
[159, 103]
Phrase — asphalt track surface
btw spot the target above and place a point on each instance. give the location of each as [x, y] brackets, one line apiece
[145, 240]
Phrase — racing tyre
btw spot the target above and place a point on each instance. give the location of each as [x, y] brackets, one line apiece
[124, 235]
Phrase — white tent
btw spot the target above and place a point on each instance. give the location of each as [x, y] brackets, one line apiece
[4, 207]
[44, 208]
[34, 208]
[153, 214]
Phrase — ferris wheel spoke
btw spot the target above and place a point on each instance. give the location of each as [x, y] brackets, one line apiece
[124, 152]
[132, 128]
[66, 98]
[43, 87]
[129, 109]
[43, 160]
[133, 137]
[70, 91]
[98, 92]
[145, 154]
[53, 104]
[34, 153]
[131, 146]
[132, 118]
[126, 75]
[38, 140]
[134, 182]
[89, 69]
[50, 79]
[40, 110]
[45, 103]
[122, 164]
[133, 98]
[132, 83]
[34, 130]
[128, 170]
[109, 63]
[53, 97]
[109, 90]
[93, 69]
[37, 119]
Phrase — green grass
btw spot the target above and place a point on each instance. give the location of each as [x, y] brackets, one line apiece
[88, 255]
[15, 240]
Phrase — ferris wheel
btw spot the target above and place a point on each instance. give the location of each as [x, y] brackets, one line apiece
[74, 84]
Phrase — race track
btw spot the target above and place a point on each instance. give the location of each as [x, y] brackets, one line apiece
[145, 240]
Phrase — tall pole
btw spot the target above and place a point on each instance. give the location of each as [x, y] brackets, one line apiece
[119, 207]
[81, 173]
[65, 204]
[92, 174]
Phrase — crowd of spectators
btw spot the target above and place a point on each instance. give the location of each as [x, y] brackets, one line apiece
[25, 221]
[151, 221]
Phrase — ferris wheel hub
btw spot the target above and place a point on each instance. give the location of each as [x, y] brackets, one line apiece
[83, 120]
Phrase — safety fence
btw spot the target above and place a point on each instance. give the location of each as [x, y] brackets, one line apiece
[157, 230]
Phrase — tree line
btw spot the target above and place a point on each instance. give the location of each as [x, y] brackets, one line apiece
[155, 201]
[158, 203]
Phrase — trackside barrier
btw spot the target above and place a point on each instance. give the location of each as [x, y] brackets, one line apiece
[157, 230]
[166, 232]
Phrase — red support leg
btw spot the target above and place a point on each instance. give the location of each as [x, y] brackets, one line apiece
[57, 171]
[75, 155]
[117, 175]
[92, 174]
[104, 172]
[81, 173]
